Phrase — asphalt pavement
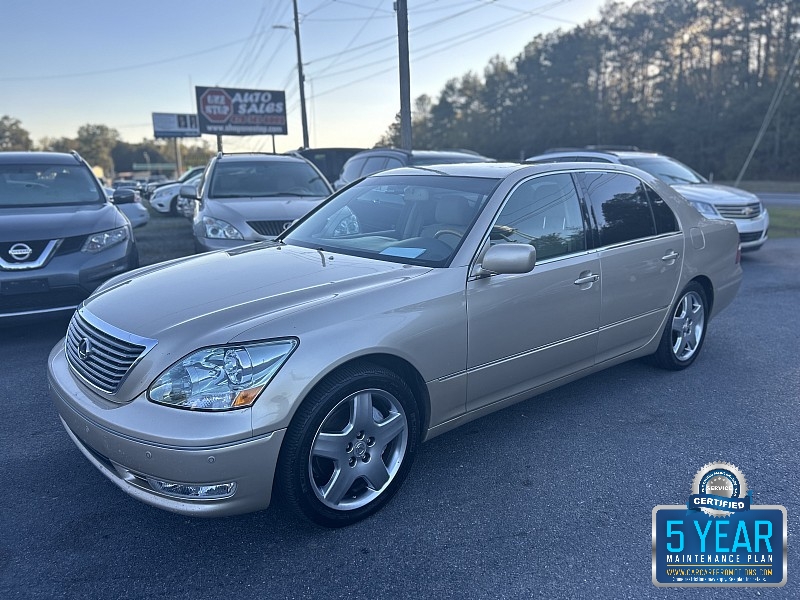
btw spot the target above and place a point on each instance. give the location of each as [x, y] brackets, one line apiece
[551, 498]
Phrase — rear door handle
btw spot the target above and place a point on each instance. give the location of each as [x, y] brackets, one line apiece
[671, 255]
[590, 278]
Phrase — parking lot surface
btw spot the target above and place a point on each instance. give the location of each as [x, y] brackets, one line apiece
[551, 498]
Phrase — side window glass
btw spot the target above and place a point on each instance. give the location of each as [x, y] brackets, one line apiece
[373, 165]
[544, 211]
[393, 163]
[665, 218]
[620, 206]
[352, 170]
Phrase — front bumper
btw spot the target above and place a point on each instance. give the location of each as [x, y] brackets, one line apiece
[163, 203]
[63, 283]
[102, 432]
[753, 232]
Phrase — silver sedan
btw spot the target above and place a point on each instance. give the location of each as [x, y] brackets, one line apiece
[406, 305]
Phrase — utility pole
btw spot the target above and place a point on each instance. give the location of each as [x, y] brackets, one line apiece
[302, 78]
[401, 7]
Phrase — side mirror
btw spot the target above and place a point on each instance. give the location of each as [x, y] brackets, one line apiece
[124, 196]
[188, 191]
[508, 259]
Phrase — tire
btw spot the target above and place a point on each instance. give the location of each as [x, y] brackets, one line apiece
[349, 447]
[685, 330]
[173, 207]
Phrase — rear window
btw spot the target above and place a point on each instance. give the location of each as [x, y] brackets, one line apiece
[48, 185]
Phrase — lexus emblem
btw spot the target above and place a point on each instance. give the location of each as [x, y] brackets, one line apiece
[20, 252]
[84, 348]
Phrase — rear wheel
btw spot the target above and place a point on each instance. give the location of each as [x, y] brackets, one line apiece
[349, 446]
[685, 330]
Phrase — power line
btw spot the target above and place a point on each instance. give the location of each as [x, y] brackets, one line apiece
[127, 67]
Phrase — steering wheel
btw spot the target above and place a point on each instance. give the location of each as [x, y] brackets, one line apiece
[458, 234]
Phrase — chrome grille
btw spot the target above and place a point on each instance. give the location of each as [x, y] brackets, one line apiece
[269, 228]
[99, 353]
[739, 211]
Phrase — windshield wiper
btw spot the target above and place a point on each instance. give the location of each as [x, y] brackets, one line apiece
[676, 178]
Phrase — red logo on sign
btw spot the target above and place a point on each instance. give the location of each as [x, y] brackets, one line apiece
[216, 105]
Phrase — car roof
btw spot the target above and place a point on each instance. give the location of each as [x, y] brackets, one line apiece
[250, 156]
[33, 158]
[455, 153]
[589, 151]
[501, 170]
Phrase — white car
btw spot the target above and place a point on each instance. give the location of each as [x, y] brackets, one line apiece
[136, 212]
[165, 198]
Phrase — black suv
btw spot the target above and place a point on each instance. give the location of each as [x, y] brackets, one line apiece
[60, 237]
[382, 159]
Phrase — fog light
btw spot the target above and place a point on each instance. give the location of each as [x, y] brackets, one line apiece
[192, 491]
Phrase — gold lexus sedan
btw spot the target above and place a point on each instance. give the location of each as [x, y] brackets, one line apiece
[410, 303]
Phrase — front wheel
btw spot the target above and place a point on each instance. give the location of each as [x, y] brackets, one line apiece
[349, 446]
[685, 330]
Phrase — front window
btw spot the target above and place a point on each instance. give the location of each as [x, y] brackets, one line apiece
[544, 211]
[414, 219]
[263, 179]
[48, 185]
[666, 169]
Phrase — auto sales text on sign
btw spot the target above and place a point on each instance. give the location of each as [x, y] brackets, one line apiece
[230, 111]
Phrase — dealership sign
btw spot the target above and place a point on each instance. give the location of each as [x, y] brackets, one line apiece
[172, 125]
[231, 111]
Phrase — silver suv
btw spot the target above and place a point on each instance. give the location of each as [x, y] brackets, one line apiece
[711, 200]
[60, 236]
[252, 197]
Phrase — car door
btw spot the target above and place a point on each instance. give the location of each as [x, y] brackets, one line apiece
[641, 256]
[526, 330]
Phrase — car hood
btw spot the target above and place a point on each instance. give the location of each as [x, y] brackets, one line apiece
[249, 285]
[55, 222]
[715, 194]
[261, 209]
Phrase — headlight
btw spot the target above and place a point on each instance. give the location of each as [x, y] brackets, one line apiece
[161, 192]
[220, 230]
[101, 241]
[705, 209]
[222, 377]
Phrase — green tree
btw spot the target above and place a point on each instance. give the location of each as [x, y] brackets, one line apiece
[95, 143]
[13, 136]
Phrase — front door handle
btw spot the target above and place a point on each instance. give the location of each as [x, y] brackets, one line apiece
[588, 278]
[671, 255]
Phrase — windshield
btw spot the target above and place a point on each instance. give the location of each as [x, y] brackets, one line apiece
[48, 185]
[413, 219]
[666, 169]
[265, 178]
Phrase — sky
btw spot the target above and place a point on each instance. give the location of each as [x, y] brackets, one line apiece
[67, 64]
